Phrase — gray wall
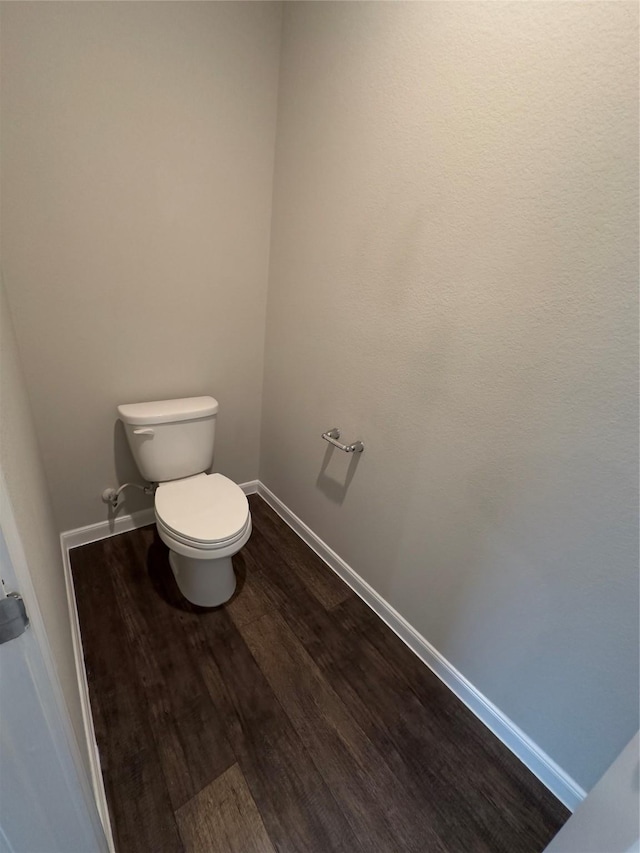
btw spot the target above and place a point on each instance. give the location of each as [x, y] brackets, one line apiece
[453, 280]
[137, 172]
[23, 473]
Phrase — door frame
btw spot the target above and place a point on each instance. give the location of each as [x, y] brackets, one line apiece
[53, 706]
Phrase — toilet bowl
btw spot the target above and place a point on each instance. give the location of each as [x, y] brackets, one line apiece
[202, 518]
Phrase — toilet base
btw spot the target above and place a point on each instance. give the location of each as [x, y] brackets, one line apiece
[207, 583]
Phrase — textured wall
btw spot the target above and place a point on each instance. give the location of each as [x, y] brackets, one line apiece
[23, 473]
[137, 166]
[453, 280]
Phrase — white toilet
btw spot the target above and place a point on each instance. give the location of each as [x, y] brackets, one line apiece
[203, 518]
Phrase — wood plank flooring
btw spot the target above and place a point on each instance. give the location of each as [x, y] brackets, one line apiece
[291, 719]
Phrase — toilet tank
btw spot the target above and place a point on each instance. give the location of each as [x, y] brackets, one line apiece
[171, 439]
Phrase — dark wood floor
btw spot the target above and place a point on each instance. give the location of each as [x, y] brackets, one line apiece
[291, 719]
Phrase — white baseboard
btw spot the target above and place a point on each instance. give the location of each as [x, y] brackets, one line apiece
[539, 763]
[104, 529]
[95, 769]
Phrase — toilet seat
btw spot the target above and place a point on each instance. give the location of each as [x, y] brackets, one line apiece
[201, 546]
[205, 512]
[210, 557]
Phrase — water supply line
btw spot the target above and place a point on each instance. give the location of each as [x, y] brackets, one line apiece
[112, 496]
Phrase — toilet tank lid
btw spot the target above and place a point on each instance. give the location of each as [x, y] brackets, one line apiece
[168, 411]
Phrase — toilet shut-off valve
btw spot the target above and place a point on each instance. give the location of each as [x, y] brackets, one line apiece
[112, 496]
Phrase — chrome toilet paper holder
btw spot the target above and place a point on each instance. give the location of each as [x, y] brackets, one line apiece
[332, 436]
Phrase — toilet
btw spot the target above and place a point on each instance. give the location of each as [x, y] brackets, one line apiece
[202, 518]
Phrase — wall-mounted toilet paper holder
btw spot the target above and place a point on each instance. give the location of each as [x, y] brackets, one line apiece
[332, 436]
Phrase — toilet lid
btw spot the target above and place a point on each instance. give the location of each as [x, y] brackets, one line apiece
[206, 508]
